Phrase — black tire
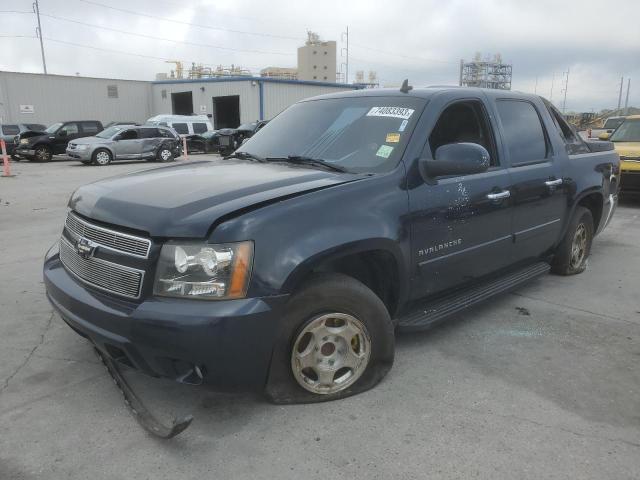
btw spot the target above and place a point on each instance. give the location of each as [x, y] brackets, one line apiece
[43, 153]
[330, 293]
[15, 158]
[87, 162]
[101, 157]
[572, 254]
[165, 154]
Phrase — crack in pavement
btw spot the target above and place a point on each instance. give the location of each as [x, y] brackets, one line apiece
[30, 354]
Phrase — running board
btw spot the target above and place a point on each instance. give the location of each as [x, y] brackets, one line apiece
[427, 313]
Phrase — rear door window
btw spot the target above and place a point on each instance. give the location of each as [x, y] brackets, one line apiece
[523, 133]
[10, 129]
[89, 127]
[199, 127]
[129, 135]
[70, 128]
[181, 128]
[149, 133]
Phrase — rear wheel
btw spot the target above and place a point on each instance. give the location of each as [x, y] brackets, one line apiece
[573, 252]
[336, 340]
[43, 154]
[164, 154]
[101, 157]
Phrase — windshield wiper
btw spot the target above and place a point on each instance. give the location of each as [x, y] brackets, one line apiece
[315, 162]
[246, 156]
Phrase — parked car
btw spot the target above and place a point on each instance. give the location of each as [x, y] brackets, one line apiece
[111, 124]
[287, 267]
[183, 124]
[43, 145]
[626, 139]
[607, 129]
[8, 132]
[122, 142]
[225, 140]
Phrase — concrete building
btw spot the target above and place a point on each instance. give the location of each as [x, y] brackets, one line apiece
[229, 101]
[317, 60]
[285, 73]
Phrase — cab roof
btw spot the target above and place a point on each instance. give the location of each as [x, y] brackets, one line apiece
[425, 92]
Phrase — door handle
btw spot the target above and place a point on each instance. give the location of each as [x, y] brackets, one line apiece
[553, 183]
[499, 195]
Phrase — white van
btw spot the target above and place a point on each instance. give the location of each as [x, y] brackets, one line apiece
[183, 124]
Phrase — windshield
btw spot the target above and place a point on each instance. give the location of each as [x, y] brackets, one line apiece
[613, 123]
[629, 131]
[109, 132]
[53, 128]
[360, 134]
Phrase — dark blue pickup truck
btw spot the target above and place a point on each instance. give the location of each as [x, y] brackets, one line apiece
[288, 266]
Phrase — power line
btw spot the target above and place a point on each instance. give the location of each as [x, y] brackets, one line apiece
[93, 25]
[209, 27]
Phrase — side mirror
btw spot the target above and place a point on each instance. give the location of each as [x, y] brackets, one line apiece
[604, 136]
[455, 159]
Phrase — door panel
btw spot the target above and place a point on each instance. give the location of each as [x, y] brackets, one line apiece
[461, 226]
[458, 233]
[538, 194]
[128, 145]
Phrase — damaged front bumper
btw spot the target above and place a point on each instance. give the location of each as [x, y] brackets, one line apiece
[226, 344]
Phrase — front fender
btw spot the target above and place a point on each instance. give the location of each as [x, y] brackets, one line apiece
[293, 235]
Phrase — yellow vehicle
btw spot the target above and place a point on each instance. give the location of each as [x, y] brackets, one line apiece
[626, 139]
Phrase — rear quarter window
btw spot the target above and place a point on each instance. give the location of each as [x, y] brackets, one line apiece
[199, 127]
[149, 133]
[181, 128]
[522, 130]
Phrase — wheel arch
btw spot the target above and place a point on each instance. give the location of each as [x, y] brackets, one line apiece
[377, 263]
[103, 147]
[593, 200]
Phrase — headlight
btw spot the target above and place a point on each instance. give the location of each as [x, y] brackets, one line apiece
[82, 147]
[24, 141]
[204, 271]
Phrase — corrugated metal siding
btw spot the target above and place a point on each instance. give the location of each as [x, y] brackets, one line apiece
[278, 96]
[249, 97]
[60, 98]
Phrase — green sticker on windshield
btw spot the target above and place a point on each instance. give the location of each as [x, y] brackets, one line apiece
[384, 151]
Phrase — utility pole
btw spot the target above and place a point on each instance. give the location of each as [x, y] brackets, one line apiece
[566, 85]
[626, 102]
[36, 10]
[620, 94]
[553, 79]
[345, 36]
[535, 88]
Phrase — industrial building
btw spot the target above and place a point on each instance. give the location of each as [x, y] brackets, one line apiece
[490, 72]
[229, 101]
[317, 59]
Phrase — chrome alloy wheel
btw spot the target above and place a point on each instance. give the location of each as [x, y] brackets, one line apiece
[165, 154]
[330, 353]
[102, 158]
[579, 246]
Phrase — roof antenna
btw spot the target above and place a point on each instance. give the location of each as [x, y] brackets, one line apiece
[405, 88]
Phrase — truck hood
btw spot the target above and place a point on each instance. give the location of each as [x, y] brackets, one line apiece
[629, 155]
[186, 200]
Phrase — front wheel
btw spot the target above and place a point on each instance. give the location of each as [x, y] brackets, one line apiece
[573, 252]
[43, 154]
[336, 340]
[102, 157]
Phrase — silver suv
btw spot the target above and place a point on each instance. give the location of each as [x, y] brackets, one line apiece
[127, 142]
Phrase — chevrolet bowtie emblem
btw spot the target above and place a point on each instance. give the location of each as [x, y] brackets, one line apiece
[85, 248]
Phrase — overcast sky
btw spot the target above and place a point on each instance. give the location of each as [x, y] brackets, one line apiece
[597, 41]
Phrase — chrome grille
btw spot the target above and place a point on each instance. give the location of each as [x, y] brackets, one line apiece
[108, 276]
[118, 241]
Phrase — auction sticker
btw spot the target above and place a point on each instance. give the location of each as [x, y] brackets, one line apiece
[393, 112]
[393, 138]
[384, 151]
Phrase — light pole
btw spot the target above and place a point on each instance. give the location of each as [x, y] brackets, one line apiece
[36, 10]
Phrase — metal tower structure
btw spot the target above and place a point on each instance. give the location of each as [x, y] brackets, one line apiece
[486, 73]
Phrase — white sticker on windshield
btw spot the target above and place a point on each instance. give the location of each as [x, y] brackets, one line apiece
[393, 112]
[403, 125]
